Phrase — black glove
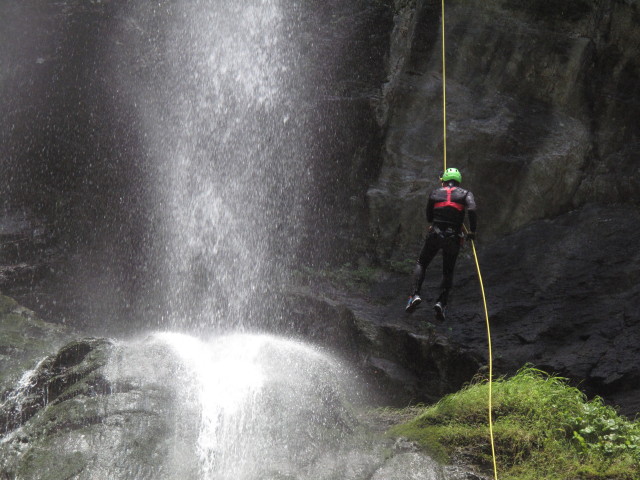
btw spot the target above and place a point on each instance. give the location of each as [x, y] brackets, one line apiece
[471, 235]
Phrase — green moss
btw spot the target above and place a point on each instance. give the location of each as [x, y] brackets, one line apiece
[405, 266]
[347, 275]
[542, 427]
[7, 304]
[69, 415]
[15, 333]
[24, 339]
[42, 464]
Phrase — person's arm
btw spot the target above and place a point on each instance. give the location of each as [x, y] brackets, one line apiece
[471, 211]
[430, 205]
[473, 221]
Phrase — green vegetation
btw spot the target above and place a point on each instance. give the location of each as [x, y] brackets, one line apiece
[7, 304]
[44, 465]
[543, 429]
[405, 266]
[347, 275]
[24, 339]
[355, 276]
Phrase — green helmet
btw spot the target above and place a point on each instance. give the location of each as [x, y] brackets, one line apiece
[451, 174]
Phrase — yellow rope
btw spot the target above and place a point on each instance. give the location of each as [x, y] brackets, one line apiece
[475, 255]
[444, 96]
[486, 316]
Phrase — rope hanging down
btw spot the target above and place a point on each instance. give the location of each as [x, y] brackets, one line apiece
[444, 97]
[475, 254]
[486, 316]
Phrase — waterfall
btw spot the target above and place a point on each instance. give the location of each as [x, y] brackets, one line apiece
[174, 406]
[221, 101]
[216, 92]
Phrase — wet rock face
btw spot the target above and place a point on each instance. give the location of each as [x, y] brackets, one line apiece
[146, 410]
[401, 361]
[75, 417]
[29, 254]
[63, 146]
[58, 378]
[563, 294]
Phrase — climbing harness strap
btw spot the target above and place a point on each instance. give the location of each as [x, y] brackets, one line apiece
[473, 246]
[448, 202]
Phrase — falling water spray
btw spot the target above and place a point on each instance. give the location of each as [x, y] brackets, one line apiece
[225, 135]
[267, 406]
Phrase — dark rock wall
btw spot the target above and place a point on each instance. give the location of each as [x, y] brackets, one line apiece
[563, 295]
[541, 102]
[70, 157]
[343, 47]
[543, 99]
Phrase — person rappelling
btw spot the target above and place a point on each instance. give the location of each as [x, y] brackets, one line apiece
[445, 212]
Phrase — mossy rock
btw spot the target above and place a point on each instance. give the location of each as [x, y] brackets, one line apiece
[538, 424]
[89, 429]
[7, 304]
[24, 340]
[42, 464]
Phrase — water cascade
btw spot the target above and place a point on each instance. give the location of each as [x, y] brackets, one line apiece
[225, 138]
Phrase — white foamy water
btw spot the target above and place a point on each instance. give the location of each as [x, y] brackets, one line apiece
[14, 399]
[267, 406]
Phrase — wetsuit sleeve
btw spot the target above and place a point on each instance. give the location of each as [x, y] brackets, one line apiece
[471, 211]
[430, 205]
[473, 220]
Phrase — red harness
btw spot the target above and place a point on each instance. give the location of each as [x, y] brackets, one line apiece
[448, 202]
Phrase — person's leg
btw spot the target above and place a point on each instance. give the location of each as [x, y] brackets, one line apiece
[450, 250]
[429, 250]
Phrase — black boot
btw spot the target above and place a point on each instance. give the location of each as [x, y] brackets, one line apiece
[440, 307]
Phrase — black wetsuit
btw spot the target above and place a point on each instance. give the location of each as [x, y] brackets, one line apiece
[445, 211]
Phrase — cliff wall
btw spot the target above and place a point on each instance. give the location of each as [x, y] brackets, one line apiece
[542, 105]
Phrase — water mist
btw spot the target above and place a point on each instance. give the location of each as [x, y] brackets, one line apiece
[225, 136]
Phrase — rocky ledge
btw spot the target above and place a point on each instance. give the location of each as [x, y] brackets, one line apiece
[569, 306]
